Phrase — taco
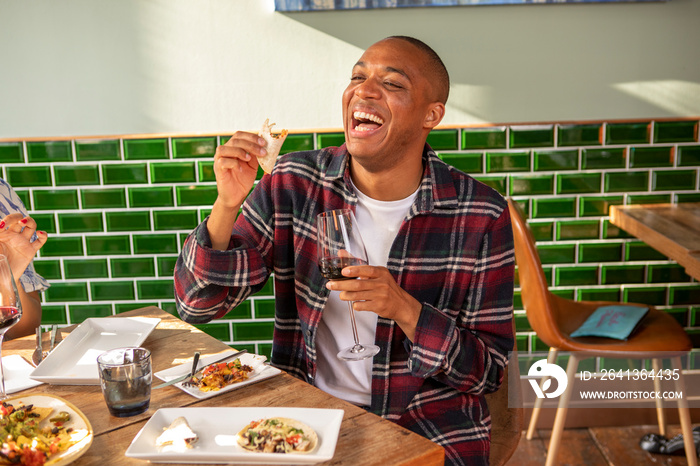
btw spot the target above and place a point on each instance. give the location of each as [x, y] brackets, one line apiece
[179, 436]
[278, 435]
[273, 144]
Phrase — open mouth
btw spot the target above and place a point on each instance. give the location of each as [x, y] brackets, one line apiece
[362, 121]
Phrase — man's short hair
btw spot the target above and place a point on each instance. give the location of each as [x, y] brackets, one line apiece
[442, 86]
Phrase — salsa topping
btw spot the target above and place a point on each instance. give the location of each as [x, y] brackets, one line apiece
[217, 376]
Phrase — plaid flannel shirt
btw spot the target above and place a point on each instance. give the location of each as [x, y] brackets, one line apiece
[453, 253]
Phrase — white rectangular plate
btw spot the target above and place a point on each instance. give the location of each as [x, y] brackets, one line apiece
[261, 372]
[74, 360]
[218, 428]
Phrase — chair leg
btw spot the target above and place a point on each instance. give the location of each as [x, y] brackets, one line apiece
[656, 365]
[551, 359]
[684, 414]
[562, 409]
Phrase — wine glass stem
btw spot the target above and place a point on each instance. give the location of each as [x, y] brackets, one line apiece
[358, 347]
[3, 394]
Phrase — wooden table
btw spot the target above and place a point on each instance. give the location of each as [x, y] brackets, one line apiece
[672, 229]
[364, 439]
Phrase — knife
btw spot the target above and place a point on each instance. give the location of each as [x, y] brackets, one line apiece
[194, 371]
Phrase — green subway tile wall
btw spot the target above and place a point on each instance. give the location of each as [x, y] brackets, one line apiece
[118, 209]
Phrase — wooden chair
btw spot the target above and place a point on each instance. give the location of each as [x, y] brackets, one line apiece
[506, 418]
[553, 318]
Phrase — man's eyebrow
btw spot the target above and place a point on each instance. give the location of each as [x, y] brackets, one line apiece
[390, 69]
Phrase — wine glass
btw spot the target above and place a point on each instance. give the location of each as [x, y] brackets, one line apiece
[10, 310]
[340, 245]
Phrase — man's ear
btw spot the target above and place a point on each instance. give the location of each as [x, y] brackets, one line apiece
[436, 111]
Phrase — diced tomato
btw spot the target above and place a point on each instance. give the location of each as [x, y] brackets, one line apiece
[32, 457]
[293, 439]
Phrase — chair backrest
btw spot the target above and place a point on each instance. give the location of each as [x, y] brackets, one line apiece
[507, 418]
[534, 290]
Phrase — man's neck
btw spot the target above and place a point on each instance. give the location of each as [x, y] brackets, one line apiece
[394, 184]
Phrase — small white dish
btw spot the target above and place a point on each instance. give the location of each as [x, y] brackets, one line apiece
[74, 360]
[218, 429]
[260, 372]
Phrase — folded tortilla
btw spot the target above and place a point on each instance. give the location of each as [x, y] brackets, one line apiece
[273, 144]
[179, 436]
[269, 436]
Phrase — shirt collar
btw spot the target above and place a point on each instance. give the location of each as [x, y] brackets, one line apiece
[437, 188]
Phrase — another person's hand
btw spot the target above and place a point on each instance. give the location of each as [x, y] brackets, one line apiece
[236, 166]
[16, 232]
[376, 291]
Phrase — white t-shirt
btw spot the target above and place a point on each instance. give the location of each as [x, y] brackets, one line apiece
[379, 222]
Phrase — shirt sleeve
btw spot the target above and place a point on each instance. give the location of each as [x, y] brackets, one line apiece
[208, 282]
[470, 353]
[32, 281]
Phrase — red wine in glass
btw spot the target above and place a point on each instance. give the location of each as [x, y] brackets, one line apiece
[331, 267]
[340, 245]
[9, 316]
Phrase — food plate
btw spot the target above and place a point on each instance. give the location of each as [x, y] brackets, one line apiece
[82, 430]
[74, 360]
[218, 429]
[260, 372]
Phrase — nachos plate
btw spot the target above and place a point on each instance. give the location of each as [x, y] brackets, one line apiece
[75, 435]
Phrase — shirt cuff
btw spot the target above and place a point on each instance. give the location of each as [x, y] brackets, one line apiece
[434, 333]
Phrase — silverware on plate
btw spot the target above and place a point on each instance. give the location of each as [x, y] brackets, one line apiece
[193, 372]
[54, 331]
[38, 354]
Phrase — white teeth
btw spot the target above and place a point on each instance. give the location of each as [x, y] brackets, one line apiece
[368, 116]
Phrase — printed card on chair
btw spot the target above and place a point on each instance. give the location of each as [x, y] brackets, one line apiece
[612, 322]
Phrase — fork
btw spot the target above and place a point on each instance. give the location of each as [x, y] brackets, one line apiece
[54, 333]
[38, 354]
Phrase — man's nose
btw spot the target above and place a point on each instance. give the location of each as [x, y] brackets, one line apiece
[369, 88]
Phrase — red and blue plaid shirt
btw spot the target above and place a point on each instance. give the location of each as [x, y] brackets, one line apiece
[453, 253]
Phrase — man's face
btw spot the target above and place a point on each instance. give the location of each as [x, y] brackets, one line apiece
[386, 104]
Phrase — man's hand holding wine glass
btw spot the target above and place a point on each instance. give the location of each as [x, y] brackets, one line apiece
[378, 292]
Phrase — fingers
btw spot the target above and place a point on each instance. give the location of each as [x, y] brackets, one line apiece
[29, 227]
[41, 238]
[369, 278]
[11, 221]
[225, 163]
[21, 225]
[242, 145]
[363, 271]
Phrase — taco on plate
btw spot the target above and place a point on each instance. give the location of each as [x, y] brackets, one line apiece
[278, 435]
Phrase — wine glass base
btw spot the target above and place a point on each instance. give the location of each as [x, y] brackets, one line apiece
[358, 352]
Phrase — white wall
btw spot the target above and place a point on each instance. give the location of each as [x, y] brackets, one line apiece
[98, 67]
